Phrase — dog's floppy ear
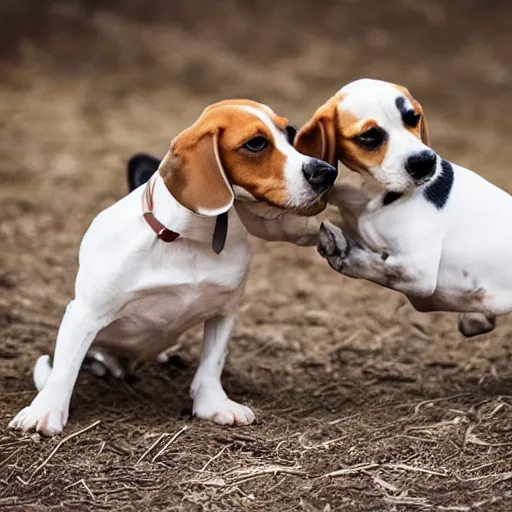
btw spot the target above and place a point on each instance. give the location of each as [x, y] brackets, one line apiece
[317, 138]
[192, 171]
[425, 137]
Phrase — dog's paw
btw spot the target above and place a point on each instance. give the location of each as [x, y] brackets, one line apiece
[333, 245]
[44, 414]
[213, 404]
[226, 412]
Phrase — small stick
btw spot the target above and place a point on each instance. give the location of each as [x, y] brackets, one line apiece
[9, 457]
[173, 438]
[54, 451]
[386, 485]
[143, 456]
[215, 457]
[350, 471]
[87, 489]
[406, 467]
[435, 400]
[101, 449]
[82, 481]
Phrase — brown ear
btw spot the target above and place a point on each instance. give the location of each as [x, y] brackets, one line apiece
[317, 138]
[425, 137]
[193, 173]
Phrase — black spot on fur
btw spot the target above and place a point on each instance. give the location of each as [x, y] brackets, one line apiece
[409, 117]
[291, 132]
[391, 197]
[438, 191]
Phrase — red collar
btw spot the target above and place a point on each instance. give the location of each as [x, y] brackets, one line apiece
[167, 235]
[163, 233]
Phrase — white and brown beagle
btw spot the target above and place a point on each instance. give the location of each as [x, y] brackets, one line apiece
[420, 225]
[149, 269]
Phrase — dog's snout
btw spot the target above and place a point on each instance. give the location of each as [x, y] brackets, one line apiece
[320, 175]
[421, 165]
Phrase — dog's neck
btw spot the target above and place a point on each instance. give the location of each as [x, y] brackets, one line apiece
[175, 217]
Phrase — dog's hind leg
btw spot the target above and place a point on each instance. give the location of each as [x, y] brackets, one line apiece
[473, 324]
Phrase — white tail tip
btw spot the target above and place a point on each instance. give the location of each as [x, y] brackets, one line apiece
[42, 371]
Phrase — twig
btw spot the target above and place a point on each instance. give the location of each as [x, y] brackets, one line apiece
[215, 457]
[143, 456]
[54, 451]
[363, 467]
[351, 470]
[430, 426]
[417, 469]
[249, 474]
[503, 477]
[173, 438]
[101, 449]
[434, 400]
[9, 457]
[82, 481]
[384, 484]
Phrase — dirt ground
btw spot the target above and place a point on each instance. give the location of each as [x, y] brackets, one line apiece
[362, 403]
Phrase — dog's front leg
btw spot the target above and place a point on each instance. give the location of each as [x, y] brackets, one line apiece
[403, 273]
[48, 412]
[210, 399]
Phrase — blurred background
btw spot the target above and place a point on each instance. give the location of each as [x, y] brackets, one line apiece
[86, 83]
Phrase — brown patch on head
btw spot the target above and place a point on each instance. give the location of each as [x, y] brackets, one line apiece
[421, 130]
[331, 135]
[280, 122]
[318, 138]
[206, 159]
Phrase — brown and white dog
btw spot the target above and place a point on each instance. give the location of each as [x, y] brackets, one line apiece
[435, 231]
[149, 269]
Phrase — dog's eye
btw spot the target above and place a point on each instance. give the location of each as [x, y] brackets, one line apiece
[372, 138]
[290, 132]
[256, 144]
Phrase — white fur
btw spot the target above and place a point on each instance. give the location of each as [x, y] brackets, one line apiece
[455, 258]
[373, 99]
[139, 294]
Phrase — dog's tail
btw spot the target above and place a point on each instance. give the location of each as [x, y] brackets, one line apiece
[42, 371]
[140, 168]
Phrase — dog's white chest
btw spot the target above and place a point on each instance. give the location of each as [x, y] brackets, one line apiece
[157, 314]
[173, 288]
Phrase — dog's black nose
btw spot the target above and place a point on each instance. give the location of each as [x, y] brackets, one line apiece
[421, 165]
[320, 175]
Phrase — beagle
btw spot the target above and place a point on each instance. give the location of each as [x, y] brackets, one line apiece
[420, 225]
[174, 253]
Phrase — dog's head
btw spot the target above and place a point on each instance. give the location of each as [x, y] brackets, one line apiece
[241, 149]
[375, 128]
